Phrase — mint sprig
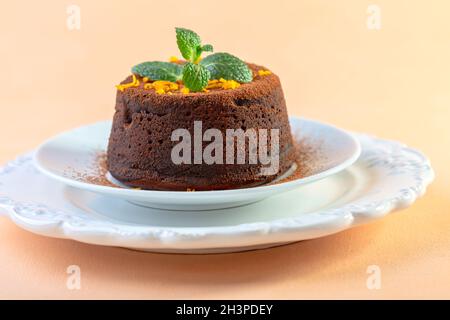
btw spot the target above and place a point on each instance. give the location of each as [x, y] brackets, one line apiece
[195, 76]
[196, 73]
[226, 66]
[158, 70]
[190, 44]
[207, 47]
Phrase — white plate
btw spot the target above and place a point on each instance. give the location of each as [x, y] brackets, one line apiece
[77, 149]
[387, 176]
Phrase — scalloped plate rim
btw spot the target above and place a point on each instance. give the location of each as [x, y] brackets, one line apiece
[187, 239]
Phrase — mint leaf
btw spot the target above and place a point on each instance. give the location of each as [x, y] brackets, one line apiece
[158, 70]
[189, 44]
[227, 66]
[207, 47]
[195, 76]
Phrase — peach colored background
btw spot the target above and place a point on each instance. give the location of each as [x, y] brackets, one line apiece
[394, 83]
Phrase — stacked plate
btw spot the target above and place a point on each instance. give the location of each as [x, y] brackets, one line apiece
[356, 179]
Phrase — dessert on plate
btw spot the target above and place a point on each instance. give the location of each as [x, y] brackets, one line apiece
[210, 123]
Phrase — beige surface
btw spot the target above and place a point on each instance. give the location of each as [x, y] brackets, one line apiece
[394, 83]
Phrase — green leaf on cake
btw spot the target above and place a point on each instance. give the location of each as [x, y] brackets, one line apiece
[226, 66]
[195, 76]
[158, 70]
[207, 48]
[189, 44]
[195, 73]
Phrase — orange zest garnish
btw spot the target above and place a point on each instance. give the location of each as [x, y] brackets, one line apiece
[264, 72]
[134, 83]
[223, 84]
[168, 87]
[162, 87]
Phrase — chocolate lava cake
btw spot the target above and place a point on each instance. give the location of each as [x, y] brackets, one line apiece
[223, 94]
[139, 150]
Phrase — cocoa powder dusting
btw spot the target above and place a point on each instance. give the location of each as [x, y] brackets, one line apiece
[306, 160]
[96, 173]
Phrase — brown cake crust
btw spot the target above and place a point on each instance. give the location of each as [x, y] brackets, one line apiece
[139, 150]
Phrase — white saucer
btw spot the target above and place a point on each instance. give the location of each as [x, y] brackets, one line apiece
[77, 149]
[386, 177]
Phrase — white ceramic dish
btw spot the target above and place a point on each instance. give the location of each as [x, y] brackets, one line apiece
[387, 176]
[77, 149]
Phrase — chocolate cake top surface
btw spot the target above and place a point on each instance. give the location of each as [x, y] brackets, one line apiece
[259, 86]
